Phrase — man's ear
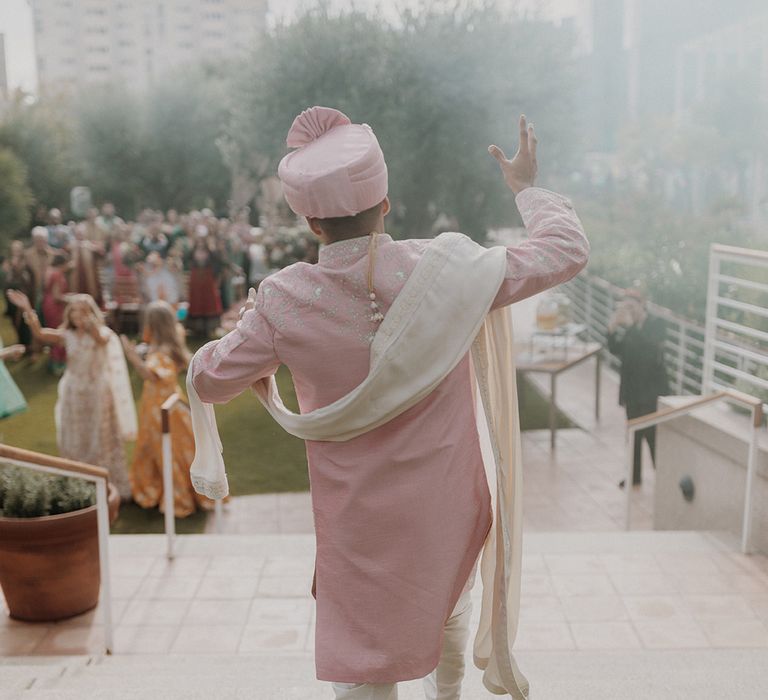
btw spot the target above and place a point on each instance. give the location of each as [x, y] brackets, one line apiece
[314, 226]
[386, 207]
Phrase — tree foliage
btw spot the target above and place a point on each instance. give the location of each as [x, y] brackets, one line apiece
[40, 135]
[638, 239]
[158, 149]
[437, 86]
[15, 196]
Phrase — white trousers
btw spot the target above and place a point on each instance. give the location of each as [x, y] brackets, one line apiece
[444, 683]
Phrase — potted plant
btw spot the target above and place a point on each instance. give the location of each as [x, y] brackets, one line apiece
[49, 549]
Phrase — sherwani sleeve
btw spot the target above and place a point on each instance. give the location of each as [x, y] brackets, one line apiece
[556, 250]
[224, 368]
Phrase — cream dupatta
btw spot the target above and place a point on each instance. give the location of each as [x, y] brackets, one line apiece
[501, 561]
[440, 314]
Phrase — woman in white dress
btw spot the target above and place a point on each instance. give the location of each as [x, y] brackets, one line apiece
[95, 412]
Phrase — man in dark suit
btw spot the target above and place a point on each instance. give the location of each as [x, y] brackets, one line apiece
[637, 339]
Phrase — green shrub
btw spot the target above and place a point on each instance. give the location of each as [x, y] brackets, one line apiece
[28, 494]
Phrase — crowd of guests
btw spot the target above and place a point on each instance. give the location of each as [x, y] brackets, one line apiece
[179, 273]
[199, 263]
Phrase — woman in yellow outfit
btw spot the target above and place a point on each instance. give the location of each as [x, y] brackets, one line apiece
[166, 357]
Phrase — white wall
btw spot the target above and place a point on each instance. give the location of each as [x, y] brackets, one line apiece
[710, 446]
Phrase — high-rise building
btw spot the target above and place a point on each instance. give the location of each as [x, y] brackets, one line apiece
[655, 32]
[636, 50]
[133, 42]
[3, 72]
[707, 64]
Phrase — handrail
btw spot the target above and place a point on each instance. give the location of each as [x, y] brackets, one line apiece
[689, 354]
[67, 465]
[749, 253]
[756, 407]
[168, 405]
[672, 412]
[173, 401]
[100, 477]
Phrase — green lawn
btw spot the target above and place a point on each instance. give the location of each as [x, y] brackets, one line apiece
[260, 456]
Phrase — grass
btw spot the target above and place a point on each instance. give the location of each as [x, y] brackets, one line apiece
[260, 456]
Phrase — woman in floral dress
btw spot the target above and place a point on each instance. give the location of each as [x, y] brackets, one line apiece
[167, 356]
[95, 413]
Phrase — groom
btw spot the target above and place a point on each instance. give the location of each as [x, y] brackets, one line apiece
[401, 503]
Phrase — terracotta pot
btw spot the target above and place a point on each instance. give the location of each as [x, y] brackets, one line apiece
[49, 566]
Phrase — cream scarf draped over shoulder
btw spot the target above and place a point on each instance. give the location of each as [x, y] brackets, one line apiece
[442, 312]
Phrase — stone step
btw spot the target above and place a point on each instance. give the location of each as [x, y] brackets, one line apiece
[17, 675]
[678, 675]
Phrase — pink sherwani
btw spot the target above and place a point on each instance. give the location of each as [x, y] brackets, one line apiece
[401, 512]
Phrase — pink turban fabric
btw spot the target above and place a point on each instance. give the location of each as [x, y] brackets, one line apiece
[337, 169]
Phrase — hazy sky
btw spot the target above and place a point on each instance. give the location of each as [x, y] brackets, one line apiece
[16, 24]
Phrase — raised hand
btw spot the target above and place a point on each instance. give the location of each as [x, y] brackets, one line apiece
[250, 302]
[19, 299]
[14, 352]
[520, 172]
[131, 354]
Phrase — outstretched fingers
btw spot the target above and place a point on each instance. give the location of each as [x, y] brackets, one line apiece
[498, 154]
[526, 149]
[523, 148]
[250, 302]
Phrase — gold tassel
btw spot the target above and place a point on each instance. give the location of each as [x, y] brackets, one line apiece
[376, 316]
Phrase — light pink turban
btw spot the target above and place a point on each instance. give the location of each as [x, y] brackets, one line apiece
[337, 169]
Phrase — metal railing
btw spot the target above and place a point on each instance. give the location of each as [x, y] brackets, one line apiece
[96, 475]
[593, 300]
[736, 348]
[175, 402]
[756, 407]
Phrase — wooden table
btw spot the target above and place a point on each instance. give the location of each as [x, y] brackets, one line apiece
[554, 364]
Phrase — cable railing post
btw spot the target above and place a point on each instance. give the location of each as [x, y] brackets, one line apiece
[713, 285]
[168, 495]
[588, 309]
[681, 355]
[218, 516]
[746, 528]
[630, 458]
[102, 527]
